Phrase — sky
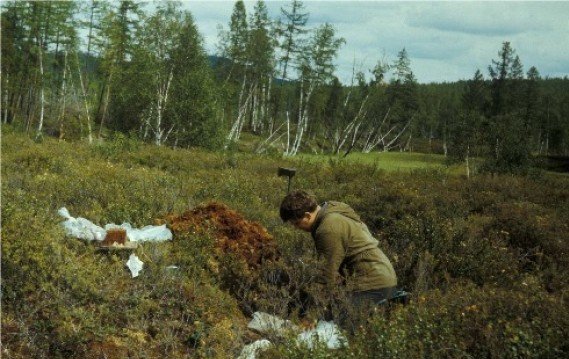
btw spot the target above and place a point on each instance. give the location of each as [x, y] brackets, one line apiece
[445, 41]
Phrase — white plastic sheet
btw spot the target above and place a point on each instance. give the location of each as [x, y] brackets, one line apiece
[134, 264]
[84, 229]
[326, 333]
[250, 351]
[265, 323]
[80, 227]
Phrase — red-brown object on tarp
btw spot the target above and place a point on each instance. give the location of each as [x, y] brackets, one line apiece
[233, 233]
[115, 235]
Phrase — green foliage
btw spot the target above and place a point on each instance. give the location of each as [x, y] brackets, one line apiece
[484, 259]
[469, 321]
[193, 107]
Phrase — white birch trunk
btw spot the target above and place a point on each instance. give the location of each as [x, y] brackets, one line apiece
[394, 139]
[85, 102]
[467, 161]
[42, 94]
[161, 101]
[375, 136]
[63, 97]
[270, 119]
[299, 125]
[354, 124]
[287, 150]
[379, 138]
[158, 125]
[169, 132]
[105, 105]
[244, 113]
[302, 125]
[147, 123]
[233, 133]
[261, 148]
[255, 108]
[5, 120]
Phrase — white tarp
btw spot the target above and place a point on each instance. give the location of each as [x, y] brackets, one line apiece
[250, 350]
[84, 229]
[265, 323]
[134, 264]
[325, 332]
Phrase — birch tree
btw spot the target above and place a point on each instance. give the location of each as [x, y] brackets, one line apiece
[235, 46]
[317, 68]
[261, 53]
[159, 39]
[32, 33]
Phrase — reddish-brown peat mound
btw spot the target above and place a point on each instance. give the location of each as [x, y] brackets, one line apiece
[233, 233]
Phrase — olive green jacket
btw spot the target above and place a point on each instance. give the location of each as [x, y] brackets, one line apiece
[349, 249]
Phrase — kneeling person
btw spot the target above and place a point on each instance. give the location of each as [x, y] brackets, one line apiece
[346, 244]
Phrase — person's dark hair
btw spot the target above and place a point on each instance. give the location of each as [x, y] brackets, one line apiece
[295, 204]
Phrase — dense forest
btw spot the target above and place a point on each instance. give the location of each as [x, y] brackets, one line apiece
[91, 70]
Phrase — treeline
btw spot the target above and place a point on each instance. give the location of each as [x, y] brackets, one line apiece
[89, 69]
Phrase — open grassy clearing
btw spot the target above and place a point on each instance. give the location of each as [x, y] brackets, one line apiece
[388, 161]
[385, 160]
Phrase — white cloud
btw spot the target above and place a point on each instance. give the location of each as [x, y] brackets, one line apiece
[482, 19]
[446, 41]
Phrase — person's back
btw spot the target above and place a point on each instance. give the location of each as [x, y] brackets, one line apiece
[347, 246]
[350, 249]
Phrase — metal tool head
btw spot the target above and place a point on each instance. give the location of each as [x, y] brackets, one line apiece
[286, 172]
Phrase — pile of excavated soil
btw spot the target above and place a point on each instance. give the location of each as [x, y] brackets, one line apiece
[233, 233]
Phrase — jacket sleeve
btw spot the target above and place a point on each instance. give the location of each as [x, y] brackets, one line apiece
[330, 246]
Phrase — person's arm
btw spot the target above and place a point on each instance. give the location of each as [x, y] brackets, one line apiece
[329, 244]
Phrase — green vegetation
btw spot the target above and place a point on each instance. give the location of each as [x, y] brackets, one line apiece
[125, 123]
[389, 161]
[78, 70]
[486, 258]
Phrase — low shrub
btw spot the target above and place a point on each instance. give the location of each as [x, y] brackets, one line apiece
[484, 258]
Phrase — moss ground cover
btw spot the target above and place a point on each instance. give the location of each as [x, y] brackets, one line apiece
[485, 258]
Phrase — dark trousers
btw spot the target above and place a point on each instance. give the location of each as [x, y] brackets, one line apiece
[361, 304]
[372, 297]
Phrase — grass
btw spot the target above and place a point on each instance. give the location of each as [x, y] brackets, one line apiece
[388, 161]
[485, 258]
[400, 159]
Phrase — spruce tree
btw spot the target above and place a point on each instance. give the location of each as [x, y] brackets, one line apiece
[507, 136]
[194, 101]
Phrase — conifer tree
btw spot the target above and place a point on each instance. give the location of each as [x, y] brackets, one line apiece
[30, 30]
[507, 136]
[238, 34]
[194, 100]
[120, 28]
[292, 30]
[402, 92]
[532, 107]
[500, 72]
[260, 52]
